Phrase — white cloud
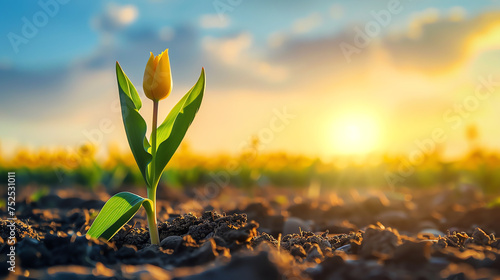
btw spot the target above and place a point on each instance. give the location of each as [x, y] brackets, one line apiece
[213, 21]
[235, 52]
[115, 17]
[298, 27]
[229, 50]
[123, 15]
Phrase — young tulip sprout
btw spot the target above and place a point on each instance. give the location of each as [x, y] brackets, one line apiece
[151, 157]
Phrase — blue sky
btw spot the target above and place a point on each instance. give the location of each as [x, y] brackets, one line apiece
[259, 55]
[69, 35]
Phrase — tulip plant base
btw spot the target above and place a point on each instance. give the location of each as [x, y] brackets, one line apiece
[388, 239]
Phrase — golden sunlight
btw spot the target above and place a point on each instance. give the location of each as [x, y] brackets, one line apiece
[354, 134]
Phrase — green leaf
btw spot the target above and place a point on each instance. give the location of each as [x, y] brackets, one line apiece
[135, 126]
[173, 129]
[117, 211]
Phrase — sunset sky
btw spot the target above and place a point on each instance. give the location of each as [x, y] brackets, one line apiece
[313, 77]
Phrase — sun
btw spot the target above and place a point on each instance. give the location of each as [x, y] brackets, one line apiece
[354, 134]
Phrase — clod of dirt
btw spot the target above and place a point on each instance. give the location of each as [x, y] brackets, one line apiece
[127, 251]
[440, 244]
[204, 254]
[479, 237]
[171, 242]
[306, 239]
[264, 237]
[413, 253]
[379, 242]
[314, 253]
[352, 239]
[298, 251]
[456, 239]
[233, 228]
[149, 252]
[496, 244]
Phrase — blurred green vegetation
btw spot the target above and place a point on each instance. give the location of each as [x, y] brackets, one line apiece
[254, 168]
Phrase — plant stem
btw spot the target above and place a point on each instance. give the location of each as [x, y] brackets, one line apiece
[153, 145]
[152, 224]
[153, 227]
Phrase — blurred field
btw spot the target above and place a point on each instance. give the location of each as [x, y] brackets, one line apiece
[253, 168]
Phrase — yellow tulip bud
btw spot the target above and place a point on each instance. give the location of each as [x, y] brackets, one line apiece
[157, 82]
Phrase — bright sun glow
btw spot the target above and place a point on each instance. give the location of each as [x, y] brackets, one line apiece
[354, 134]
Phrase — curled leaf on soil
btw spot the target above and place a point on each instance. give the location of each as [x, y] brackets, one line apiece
[117, 211]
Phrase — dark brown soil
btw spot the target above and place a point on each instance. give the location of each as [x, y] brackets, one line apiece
[433, 235]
